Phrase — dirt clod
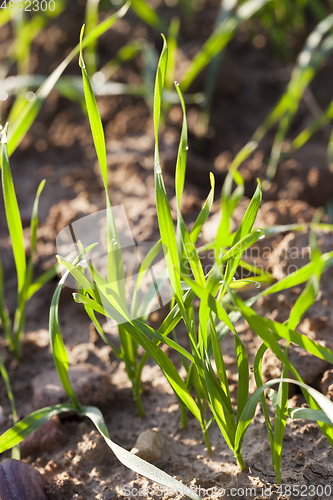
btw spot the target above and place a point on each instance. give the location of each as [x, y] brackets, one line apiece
[46, 438]
[91, 385]
[149, 445]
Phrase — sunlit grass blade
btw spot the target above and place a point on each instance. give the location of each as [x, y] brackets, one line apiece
[230, 199]
[59, 352]
[132, 461]
[299, 276]
[12, 213]
[4, 315]
[27, 425]
[226, 9]
[187, 252]
[41, 281]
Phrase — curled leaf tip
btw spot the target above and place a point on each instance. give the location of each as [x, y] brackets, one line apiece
[4, 134]
[81, 61]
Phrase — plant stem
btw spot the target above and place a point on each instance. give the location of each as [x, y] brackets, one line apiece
[136, 394]
[207, 440]
[240, 461]
[277, 470]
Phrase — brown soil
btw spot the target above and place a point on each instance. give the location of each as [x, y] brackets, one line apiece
[69, 452]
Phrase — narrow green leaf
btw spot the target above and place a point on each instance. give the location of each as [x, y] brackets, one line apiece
[132, 461]
[13, 215]
[250, 408]
[309, 414]
[27, 425]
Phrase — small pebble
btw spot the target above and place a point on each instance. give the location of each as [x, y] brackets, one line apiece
[149, 445]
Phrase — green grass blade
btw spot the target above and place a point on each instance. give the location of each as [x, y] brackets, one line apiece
[204, 212]
[91, 21]
[257, 370]
[299, 276]
[19, 319]
[13, 215]
[187, 252]
[59, 352]
[27, 425]
[301, 76]
[242, 232]
[250, 408]
[132, 461]
[149, 15]
[165, 221]
[281, 412]
[115, 264]
[309, 414]
[94, 118]
[4, 315]
[140, 325]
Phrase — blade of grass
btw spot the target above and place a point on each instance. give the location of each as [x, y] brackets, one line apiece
[12, 213]
[132, 461]
[59, 352]
[249, 410]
